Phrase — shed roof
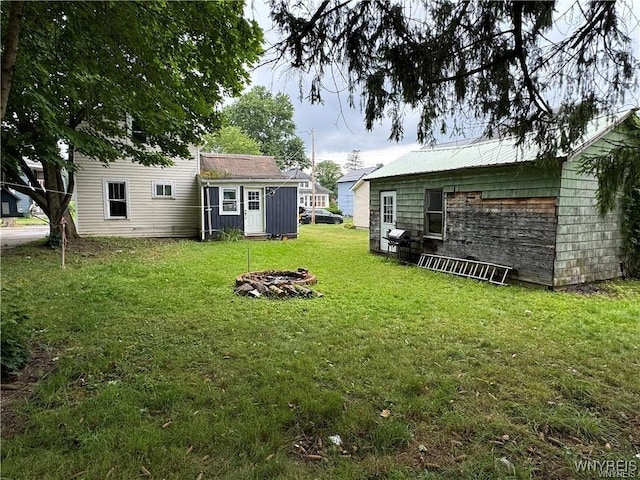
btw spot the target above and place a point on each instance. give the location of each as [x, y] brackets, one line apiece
[483, 152]
[355, 175]
[232, 166]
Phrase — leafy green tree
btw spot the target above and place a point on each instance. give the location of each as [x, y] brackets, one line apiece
[84, 70]
[354, 161]
[268, 119]
[327, 175]
[617, 168]
[504, 64]
[231, 139]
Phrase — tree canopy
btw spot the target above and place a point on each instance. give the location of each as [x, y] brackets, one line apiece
[268, 119]
[517, 66]
[327, 174]
[231, 139]
[85, 70]
[354, 161]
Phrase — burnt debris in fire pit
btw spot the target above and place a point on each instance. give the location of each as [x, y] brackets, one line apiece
[277, 284]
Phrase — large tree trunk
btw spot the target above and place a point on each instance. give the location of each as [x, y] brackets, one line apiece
[10, 53]
[57, 208]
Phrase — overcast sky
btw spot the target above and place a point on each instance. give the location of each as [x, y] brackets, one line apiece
[338, 128]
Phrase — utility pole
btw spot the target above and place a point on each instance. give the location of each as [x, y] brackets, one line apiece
[313, 178]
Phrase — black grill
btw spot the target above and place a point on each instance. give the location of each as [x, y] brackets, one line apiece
[398, 238]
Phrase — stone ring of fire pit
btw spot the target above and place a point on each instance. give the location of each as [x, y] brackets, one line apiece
[277, 283]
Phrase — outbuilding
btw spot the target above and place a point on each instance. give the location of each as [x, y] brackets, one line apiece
[246, 193]
[488, 200]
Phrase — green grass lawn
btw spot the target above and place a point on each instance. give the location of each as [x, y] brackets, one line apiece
[163, 372]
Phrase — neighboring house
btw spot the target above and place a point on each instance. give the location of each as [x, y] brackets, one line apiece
[127, 199]
[25, 202]
[345, 194]
[488, 201]
[248, 193]
[305, 192]
[10, 206]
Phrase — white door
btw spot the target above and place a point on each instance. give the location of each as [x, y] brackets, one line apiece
[253, 211]
[387, 219]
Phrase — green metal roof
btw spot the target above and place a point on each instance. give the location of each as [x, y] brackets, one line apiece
[483, 152]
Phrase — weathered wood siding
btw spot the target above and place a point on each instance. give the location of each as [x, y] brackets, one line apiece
[518, 232]
[148, 216]
[508, 217]
[588, 246]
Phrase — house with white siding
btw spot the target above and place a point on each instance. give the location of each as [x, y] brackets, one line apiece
[127, 199]
[305, 191]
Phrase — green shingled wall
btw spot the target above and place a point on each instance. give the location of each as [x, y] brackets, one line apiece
[513, 181]
[588, 246]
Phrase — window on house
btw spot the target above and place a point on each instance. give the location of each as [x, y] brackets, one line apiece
[137, 132]
[163, 190]
[229, 204]
[304, 184]
[116, 199]
[321, 201]
[434, 213]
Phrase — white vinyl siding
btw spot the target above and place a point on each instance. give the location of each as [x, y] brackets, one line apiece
[147, 216]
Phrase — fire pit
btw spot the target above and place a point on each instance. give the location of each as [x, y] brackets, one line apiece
[277, 283]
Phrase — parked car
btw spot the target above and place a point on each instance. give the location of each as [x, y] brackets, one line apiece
[322, 216]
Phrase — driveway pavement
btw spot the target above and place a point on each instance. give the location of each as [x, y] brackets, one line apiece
[13, 236]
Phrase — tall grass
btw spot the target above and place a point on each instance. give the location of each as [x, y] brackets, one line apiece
[161, 369]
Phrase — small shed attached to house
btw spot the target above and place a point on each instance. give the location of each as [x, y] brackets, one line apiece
[488, 200]
[248, 193]
[346, 196]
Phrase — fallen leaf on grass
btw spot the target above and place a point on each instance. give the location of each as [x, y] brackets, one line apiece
[165, 425]
[385, 413]
[144, 471]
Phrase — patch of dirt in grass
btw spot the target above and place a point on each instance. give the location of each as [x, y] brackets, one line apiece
[431, 456]
[590, 289]
[21, 385]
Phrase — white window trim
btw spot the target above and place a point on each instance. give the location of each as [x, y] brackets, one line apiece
[436, 236]
[154, 193]
[105, 196]
[221, 198]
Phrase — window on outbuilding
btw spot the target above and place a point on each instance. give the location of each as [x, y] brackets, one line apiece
[116, 199]
[229, 201]
[434, 213]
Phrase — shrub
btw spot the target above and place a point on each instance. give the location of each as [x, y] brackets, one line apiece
[14, 352]
[231, 234]
[349, 225]
[333, 208]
